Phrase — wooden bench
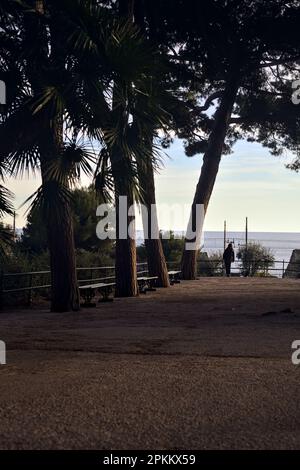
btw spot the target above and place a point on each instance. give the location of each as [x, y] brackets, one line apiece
[174, 277]
[88, 292]
[146, 283]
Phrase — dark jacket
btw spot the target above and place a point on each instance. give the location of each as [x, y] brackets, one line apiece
[228, 255]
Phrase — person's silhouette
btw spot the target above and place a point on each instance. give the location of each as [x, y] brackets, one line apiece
[228, 257]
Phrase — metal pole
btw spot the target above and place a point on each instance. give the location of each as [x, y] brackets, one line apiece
[246, 235]
[225, 229]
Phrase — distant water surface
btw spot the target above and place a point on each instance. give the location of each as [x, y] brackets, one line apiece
[282, 244]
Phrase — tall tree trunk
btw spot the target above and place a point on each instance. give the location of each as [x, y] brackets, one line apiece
[126, 275]
[125, 266]
[59, 223]
[157, 265]
[210, 168]
[126, 269]
[64, 288]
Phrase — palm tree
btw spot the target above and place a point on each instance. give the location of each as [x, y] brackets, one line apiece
[132, 112]
[48, 99]
[76, 70]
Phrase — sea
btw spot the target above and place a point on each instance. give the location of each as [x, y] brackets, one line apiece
[281, 244]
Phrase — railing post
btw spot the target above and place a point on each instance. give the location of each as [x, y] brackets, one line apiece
[283, 268]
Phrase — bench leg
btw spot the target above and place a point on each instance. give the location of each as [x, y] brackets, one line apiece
[88, 295]
[105, 295]
[174, 280]
[150, 287]
[142, 288]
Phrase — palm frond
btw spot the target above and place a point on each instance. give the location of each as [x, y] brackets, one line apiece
[103, 178]
[77, 157]
[19, 136]
[49, 198]
[6, 196]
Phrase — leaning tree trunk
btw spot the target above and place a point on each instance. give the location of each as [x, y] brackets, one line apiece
[157, 265]
[209, 170]
[59, 224]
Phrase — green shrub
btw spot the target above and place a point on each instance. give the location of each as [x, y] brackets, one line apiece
[255, 259]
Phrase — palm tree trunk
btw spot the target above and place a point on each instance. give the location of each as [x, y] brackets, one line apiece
[64, 288]
[58, 215]
[157, 265]
[210, 168]
[59, 223]
[125, 265]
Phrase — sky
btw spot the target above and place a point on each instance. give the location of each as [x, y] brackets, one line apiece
[251, 183]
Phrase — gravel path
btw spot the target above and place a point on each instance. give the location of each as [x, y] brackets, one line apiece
[205, 364]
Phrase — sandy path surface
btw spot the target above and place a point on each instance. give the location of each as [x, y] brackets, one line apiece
[205, 364]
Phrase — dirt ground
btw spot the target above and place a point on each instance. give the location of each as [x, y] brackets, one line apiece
[205, 364]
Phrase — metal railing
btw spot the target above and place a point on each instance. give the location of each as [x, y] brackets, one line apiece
[33, 281]
[26, 283]
[215, 267]
[251, 268]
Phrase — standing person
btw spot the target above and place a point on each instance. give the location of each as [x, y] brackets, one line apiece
[228, 257]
